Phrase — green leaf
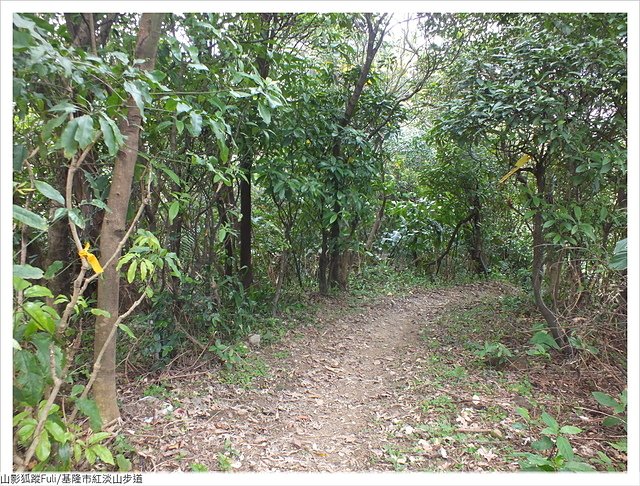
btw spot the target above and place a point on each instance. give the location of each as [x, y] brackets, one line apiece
[101, 312]
[51, 125]
[265, 112]
[575, 466]
[76, 218]
[524, 413]
[127, 330]
[49, 191]
[85, 131]
[27, 430]
[89, 408]
[173, 210]
[143, 270]
[99, 203]
[545, 443]
[37, 291]
[545, 339]
[98, 437]
[619, 259]
[550, 421]
[605, 399]
[57, 432]
[90, 456]
[27, 272]
[103, 453]
[131, 273]
[611, 421]
[182, 107]
[53, 269]
[195, 124]
[30, 219]
[43, 320]
[43, 448]
[108, 135]
[67, 140]
[124, 464]
[136, 94]
[564, 448]
[570, 429]
[19, 154]
[577, 210]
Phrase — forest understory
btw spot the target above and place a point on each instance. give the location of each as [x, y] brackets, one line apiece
[374, 385]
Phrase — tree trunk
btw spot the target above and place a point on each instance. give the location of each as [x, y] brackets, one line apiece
[322, 265]
[246, 267]
[114, 227]
[376, 224]
[538, 262]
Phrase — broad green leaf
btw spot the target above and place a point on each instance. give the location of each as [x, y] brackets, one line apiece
[101, 312]
[195, 124]
[98, 437]
[27, 272]
[543, 444]
[173, 210]
[550, 421]
[43, 320]
[89, 408]
[136, 94]
[53, 269]
[108, 136]
[90, 456]
[99, 203]
[605, 399]
[20, 417]
[19, 154]
[127, 330]
[84, 133]
[124, 464]
[57, 432]
[576, 466]
[51, 125]
[131, 273]
[545, 339]
[577, 210]
[103, 453]
[43, 449]
[143, 270]
[611, 421]
[27, 430]
[49, 191]
[30, 219]
[76, 218]
[37, 291]
[524, 413]
[570, 429]
[182, 107]
[619, 259]
[67, 140]
[20, 284]
[564, 448]
[265, 112]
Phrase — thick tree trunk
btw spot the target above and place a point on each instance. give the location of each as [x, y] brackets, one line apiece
[114, 227]
[323, 264]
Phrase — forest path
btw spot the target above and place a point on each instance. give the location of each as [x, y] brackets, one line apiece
[337, 395]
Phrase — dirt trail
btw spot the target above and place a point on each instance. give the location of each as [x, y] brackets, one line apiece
[332, 397]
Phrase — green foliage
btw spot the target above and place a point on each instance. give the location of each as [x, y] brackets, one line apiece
[494, 353]
[554, 442]
[618, 406]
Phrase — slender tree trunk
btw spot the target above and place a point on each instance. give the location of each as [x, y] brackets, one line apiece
[322, 265]
[246, 266]
[114, 227]
[538, 263]
[376, 224]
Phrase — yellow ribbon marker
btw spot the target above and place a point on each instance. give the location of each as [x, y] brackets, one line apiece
[519, 164]
[91, 259]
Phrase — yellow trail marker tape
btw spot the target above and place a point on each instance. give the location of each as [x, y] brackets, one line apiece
[519, 164]
[91, 259]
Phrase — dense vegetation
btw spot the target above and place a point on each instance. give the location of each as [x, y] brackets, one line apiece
[180, 181]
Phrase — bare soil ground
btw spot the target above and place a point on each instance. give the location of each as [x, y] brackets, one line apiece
[388, 385]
